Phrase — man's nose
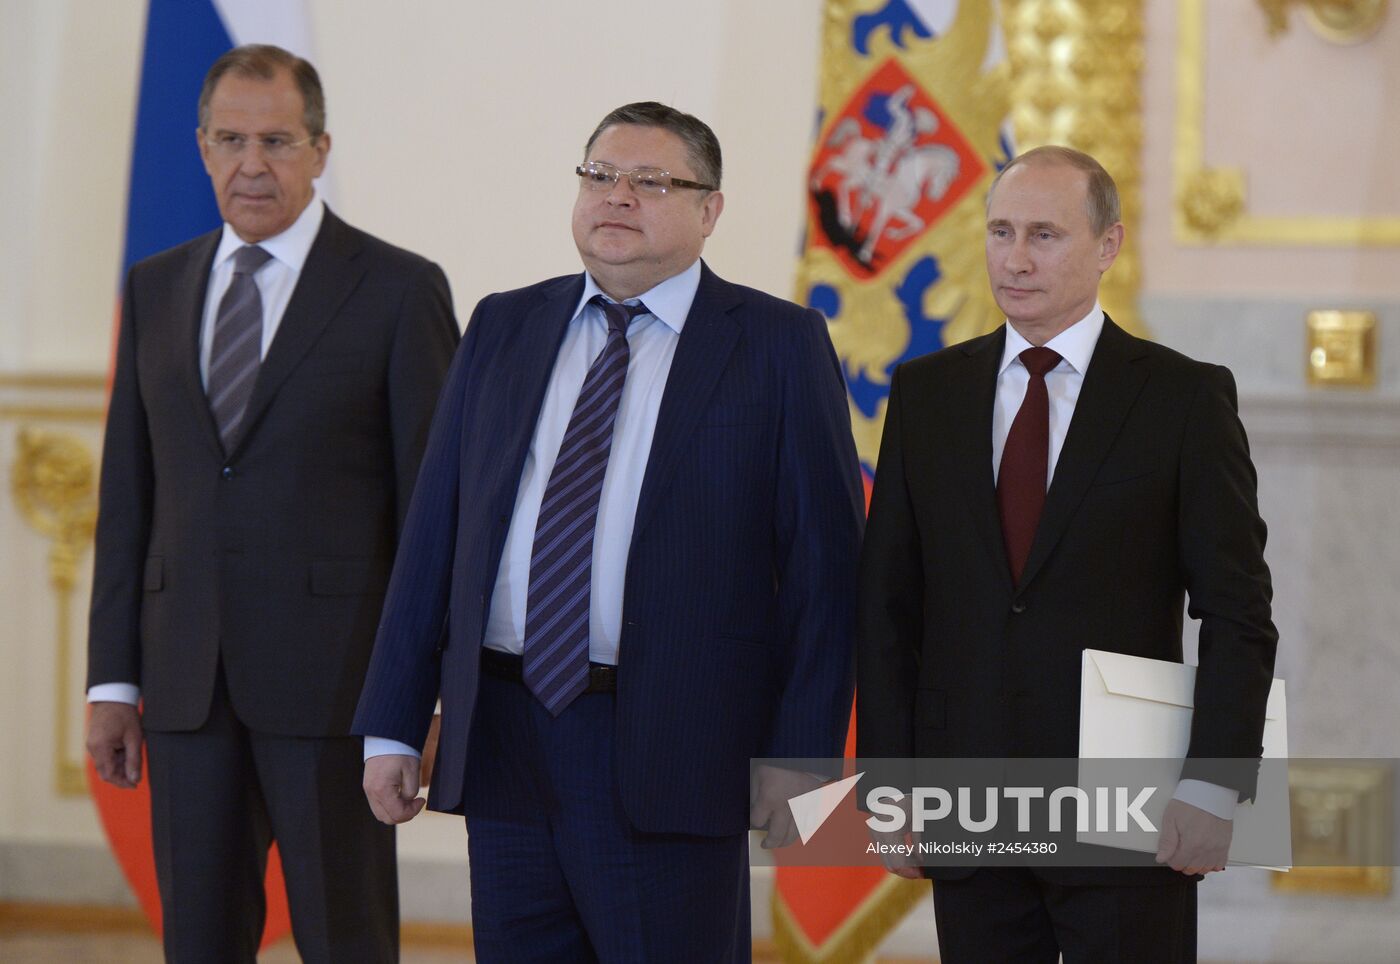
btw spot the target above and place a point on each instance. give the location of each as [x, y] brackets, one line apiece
[1018, 257]
[622, 191]
[252, 160]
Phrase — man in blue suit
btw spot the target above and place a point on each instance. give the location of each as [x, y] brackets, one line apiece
[628, 569]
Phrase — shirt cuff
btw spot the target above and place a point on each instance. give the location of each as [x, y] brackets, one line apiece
[114, 693]
[383, 746]
[1210, 797]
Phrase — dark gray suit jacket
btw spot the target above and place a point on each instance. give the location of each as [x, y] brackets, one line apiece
[275, 554]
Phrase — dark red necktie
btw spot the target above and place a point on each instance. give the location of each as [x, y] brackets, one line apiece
[1025, 462]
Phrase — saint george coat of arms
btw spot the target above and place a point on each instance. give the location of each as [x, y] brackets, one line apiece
[912, 128]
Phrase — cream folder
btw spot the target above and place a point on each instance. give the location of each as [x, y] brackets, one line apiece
[1133, 708]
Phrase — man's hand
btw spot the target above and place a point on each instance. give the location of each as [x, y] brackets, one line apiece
[896, 847]
[114, 743]
[425, 772]
[768, 803]
[391, 785]
[1193, 841]
[896, 852]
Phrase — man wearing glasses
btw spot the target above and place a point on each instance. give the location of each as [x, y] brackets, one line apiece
[628, 569]
[275, 380]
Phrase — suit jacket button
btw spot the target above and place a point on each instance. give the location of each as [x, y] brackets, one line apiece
[1018, 607]
[228, 472]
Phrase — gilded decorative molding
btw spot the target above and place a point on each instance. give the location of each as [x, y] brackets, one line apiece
[59, 413]
[1211, 204]
[66, 380]
[1212, 199]
[1340, 21]
[54, 483]
[1076, 71]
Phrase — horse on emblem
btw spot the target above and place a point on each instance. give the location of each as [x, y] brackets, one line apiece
[919, 173]
[892, 174]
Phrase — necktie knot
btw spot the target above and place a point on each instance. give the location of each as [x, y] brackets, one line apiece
[619, 315]
[1039, 361]
[249, 259]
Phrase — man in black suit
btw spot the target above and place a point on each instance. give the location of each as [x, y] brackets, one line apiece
[274, 384]
[980, 589]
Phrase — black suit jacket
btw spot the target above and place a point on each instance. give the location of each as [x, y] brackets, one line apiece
[276, 554]
[1153, 498]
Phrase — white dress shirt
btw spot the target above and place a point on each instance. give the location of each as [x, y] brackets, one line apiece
[652, 340]
[1063, 383]
[276, 280]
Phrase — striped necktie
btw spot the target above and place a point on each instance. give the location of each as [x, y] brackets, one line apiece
[237, 350]
[561, 561]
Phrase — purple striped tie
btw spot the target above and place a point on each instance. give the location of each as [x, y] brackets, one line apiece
[561, 562]
[236, 354]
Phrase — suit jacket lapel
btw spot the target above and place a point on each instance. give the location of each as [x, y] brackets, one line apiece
[1110, 387]
[706, 341]
[187, 311]
[330, 274]
[972, 434]
[528, 360]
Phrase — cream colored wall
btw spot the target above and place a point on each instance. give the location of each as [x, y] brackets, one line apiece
[1315, 126]
[455, 126]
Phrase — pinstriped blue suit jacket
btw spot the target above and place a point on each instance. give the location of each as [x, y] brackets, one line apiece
[738, 605]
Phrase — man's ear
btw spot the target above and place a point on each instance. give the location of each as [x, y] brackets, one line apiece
[1109, 246]
[203, 146]
[711, 209]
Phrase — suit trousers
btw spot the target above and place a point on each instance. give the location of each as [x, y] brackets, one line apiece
[220, 795]
[1012, 914]
[558, 872]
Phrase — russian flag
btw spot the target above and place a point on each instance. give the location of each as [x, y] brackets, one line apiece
[170, 201]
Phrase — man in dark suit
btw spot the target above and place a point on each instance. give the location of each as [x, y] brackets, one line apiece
[275, 380]
[979, 589]
[629, 568]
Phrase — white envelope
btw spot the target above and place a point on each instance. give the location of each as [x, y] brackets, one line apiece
[1136, 708]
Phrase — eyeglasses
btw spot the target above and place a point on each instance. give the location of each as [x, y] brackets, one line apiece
[646, 181]
[275, 147]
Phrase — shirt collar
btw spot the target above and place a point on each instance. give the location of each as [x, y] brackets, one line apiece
[669, 301]
[290, 247]
[1075, 344]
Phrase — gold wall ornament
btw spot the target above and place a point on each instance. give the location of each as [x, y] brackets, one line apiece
[1339, 21]
[1076, 80]
[1204, 196]
[54, 483]
[1342, 813]
[1341, 348]
[1211, 199]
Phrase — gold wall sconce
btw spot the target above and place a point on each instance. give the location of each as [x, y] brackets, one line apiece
[1342, 348]
[54, 483]
[1338, 21]
[1342, 814]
